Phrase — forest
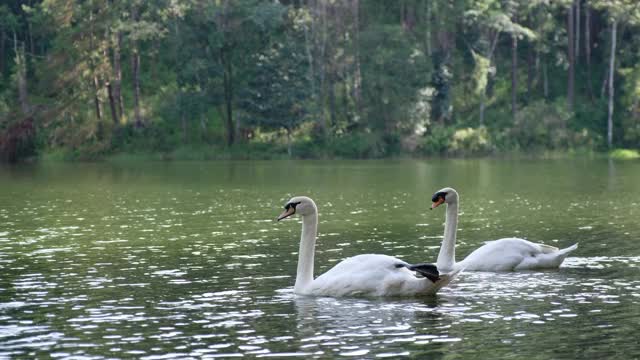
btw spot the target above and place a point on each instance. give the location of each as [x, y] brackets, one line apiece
[258, 79]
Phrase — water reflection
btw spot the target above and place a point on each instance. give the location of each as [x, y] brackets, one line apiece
[356, 327]
[150, 262]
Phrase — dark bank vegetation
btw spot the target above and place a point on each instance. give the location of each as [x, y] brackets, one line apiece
[85, 79]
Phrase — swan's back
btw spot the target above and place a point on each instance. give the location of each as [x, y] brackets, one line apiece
[372, 275]
[514, 254]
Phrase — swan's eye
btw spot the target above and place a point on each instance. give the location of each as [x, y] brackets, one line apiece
[439, 195]
[291, 205]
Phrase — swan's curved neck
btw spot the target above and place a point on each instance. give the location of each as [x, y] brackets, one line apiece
[447, 255]
[306, 251]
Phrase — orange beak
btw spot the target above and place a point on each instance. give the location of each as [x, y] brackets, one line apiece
[288, 212]
[437, 203]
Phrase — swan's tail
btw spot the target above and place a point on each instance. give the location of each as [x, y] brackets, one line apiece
[565, 252]
[556, 259]
[548, 249]
[446, 279]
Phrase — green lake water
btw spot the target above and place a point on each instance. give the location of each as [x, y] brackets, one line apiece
[184, 260]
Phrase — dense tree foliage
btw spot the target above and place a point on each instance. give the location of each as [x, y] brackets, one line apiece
[317, 78]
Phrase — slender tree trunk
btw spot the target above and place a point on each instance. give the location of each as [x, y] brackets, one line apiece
[612, 62]
[345, 100]
[112, 104]
[603, 88]
[183, 122]
[308, 41]
[23, 94]
[332, 99]
[92, 64]
[323, 63]
[587, 48]
[31, 44]
[428, 27]
[577, 31]
[530, 71]
[357, 79]
[3, 41]
[203, 124]
[514, 75]
[228, 95]
[96, 98]
[117, 69]
[289, 147]
[571, 53]
[545, 79]
[483, 97]
[440, 109]
[21, 67]
[135, 66]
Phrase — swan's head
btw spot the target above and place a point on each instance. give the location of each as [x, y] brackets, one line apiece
[446, 195]
[300, 205]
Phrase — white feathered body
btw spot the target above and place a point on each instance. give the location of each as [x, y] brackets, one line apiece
[512, 254]
[373, 275]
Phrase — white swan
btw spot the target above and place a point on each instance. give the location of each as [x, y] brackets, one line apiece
[500, 255]
[367, 275]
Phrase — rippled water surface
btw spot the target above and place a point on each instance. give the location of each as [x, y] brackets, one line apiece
[184, 260]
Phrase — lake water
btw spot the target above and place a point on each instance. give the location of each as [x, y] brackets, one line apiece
[184, 260]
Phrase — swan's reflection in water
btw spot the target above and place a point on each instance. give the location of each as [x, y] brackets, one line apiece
[372, 327]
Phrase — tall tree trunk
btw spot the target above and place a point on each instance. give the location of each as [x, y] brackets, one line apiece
[545, 79]
[289, 147]
[587, 48]
[117, 69]
[612, 62]
[570, 53]
[483, 96]
[440, 109]
[227, 78]
[577, 31]
[309, 44]
[3, 41]
[323, 64]
[30, 33]
[21, 67]
[96, 82]
[514, 75]
[332, 99]
[429, 5]
[183, 122]
[96, 98]
[135, 66]
[357, 78]
[112, 104]
[345, 100]
[530, 71]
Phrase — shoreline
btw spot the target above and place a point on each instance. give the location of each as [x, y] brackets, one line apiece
[214, 154]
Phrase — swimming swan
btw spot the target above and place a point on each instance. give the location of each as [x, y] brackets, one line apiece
[500, 255]
[364, 275]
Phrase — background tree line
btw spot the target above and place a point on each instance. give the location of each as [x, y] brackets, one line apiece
[317, 78]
